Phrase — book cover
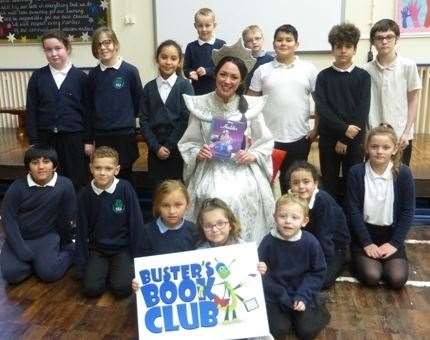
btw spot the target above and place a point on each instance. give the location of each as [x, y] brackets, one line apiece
[226, 138]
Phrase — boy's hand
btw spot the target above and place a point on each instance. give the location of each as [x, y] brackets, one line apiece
[299, 306]
[262, 267]
[352, 131]
[373, 251]
[403, 142]
[134, 285]
[163, 153]
[193, 76]
[312, 135]
[386, 250]
[201, 71]
[340, 148]
[204, 153]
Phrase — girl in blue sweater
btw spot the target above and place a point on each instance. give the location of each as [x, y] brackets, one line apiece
[164, 114]
[381, 204]
[327, 221]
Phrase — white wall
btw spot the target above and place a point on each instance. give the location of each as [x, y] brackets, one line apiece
[137, 40]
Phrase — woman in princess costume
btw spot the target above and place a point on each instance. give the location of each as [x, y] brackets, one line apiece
[244, 181]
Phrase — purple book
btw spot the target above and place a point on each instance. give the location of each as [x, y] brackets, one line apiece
[226, 138]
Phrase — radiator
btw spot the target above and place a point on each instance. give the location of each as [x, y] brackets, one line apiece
[423, 115]
[13, 88]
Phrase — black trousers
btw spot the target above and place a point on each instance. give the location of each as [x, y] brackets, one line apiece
[114, 270]
[162, 169]
[306, 324]
[331, 162]
[334, 267]
[407, 153]
[72, 162]
[296, 151]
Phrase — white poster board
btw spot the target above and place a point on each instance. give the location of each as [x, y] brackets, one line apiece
[213, 293]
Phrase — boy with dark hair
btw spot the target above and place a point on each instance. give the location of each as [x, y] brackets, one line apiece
[395, 86]
[342, 98]
[110, 224]
[37, 214]
[198, 64]
[288, 81]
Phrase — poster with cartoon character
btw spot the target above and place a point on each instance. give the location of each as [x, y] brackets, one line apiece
[213, 293]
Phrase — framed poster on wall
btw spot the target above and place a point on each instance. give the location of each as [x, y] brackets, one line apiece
[413, 17]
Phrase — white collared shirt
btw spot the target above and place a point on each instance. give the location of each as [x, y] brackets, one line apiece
[60, 75]
[110, 189]
[116, 66]
[275, 233]
[312, 200]
[288, 87]
[378, 196]
[210, 42]
[165, 86]
[163, 228]
[338, 69]
[51, 183]
[389, 92]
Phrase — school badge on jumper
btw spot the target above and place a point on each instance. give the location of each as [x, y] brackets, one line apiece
[119, 83]
[118, 206]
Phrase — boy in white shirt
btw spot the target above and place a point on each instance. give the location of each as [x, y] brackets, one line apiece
[288, 81]
[395, 86]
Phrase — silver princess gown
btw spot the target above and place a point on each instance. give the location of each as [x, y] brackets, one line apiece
[245, 188]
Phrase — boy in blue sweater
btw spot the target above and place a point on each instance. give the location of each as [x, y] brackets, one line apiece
[110, 224]
[198, 64]
[295, 272]
[37, 214]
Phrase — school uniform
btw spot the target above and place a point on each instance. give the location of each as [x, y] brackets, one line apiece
[57, 114]
[327, 223]
[199, 54]
[159, 239]
[342, 98]
[295, 272]
[389, 101]
[403, 209]
[262, 58]
[37, 222]
[163, 121]
[115, 94]
[110, 227]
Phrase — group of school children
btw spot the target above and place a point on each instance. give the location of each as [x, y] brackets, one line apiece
[71, 114]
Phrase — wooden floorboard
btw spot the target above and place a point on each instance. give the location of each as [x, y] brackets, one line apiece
[36, 310]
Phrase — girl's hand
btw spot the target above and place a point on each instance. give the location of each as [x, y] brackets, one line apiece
[134, 285]
[244, 157]
[262, 267]
[386, 250]
[204, 153]
[163, 153]
[299, 306]
[403, 142]
[373, 251]
[89, 149]
[193, 76]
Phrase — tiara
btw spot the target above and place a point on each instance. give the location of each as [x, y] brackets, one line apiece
[237, 50]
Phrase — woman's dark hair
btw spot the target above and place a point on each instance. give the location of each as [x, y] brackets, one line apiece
[243, 104]
[60, 36]
[178, 48]
[40, 151]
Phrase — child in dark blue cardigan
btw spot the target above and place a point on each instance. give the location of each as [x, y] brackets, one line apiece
[380, 205]
[57, 108]
[295, 272]
[164, 116]
[110, 227]
[327, 221]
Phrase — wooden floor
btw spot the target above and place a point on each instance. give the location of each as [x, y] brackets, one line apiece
[36, 310]
[13, 146]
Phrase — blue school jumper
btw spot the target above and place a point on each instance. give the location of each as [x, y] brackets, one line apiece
[201, 56]
[163, 124]
[403, 207]
[60, 118]
[264, 59]
[114, 98]
[36, 220]
[171, 241]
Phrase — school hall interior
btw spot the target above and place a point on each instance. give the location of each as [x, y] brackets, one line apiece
[37, 310]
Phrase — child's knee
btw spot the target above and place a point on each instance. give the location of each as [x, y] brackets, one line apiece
[47, 273]
[396, 281]
[93, 289]
[121, 290]
[14, 275]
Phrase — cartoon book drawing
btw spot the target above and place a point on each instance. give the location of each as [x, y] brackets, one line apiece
[226, 138]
